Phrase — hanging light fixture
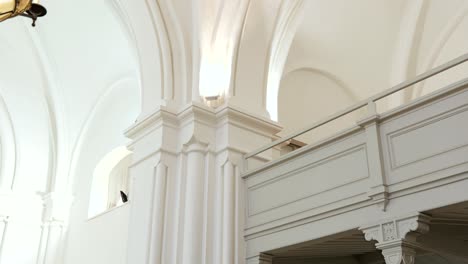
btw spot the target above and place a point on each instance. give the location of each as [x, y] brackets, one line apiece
[27, 8]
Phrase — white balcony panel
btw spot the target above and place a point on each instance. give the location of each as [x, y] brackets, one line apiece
[429, 141]
[423, 146]
[316, 178]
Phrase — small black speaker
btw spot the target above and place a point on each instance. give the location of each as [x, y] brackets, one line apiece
[124, 197]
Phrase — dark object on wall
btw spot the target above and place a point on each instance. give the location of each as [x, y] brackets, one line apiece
[124, 197]
[26, 8]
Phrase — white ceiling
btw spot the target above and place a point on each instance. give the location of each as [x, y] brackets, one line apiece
[53, 76]
[350, 40]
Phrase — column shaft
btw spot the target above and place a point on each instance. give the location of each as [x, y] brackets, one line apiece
[194, 208]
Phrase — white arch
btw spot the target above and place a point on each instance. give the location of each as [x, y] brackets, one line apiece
[53, 105]
[7, 148]
[285, 30]
[78, 145]
[114, 160]
[408, 41]
[439, 44]
[332, 77]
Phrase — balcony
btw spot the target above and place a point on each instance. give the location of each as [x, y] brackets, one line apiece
[413, 158]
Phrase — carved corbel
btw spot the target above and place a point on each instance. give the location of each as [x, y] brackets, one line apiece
[397, 238]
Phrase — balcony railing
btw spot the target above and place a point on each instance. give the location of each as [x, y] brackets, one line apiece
[370, 103]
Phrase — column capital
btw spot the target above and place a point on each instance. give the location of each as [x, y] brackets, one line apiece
[399, 252]
[397, 237]
[404, 228]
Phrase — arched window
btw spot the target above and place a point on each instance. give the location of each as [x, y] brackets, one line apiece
[110, 177]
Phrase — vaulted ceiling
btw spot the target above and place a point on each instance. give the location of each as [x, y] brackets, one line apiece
[52, 78]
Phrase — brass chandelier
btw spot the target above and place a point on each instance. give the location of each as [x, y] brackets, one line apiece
[27, 8]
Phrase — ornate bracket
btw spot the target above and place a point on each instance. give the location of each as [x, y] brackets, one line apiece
[397, 238]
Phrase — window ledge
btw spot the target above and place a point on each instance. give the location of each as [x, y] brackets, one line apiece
[108, 211]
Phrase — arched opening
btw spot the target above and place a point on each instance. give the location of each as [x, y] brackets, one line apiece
[109, 178]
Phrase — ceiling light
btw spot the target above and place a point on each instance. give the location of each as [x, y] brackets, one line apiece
[27, 8]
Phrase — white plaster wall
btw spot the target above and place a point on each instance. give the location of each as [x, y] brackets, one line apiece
[25, 145]
[443, 38]
[23, 99]
[371, 46]
[336, 59]
[103, 238]
[353, 41]
[437, 15]
[58, 121]
[307, 96]
[52, 79]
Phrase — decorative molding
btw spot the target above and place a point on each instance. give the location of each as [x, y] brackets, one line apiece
[378, 190]
[287, 23]
[381, 196]
[53, 105]
[227, 114]
[195, 145]
[399, 254]
[422, 124]
[397, 238]
[161, 116]
[8, 147]
[97, 105]
[335, 156]
[238, 40]
[404, 228]
[122, 16]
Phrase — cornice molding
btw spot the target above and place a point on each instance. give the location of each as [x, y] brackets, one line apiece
[231, 114]
[198, 112]
[161, 115]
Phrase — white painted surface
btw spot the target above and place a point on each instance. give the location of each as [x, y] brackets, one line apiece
[102, 239]
[417, 160]
[54, 127]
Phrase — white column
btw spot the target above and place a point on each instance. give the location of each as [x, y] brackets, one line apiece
[228, 212]
[188, 212]
[51, 240]
[56, 209]
[194, 202]
[158, 210]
